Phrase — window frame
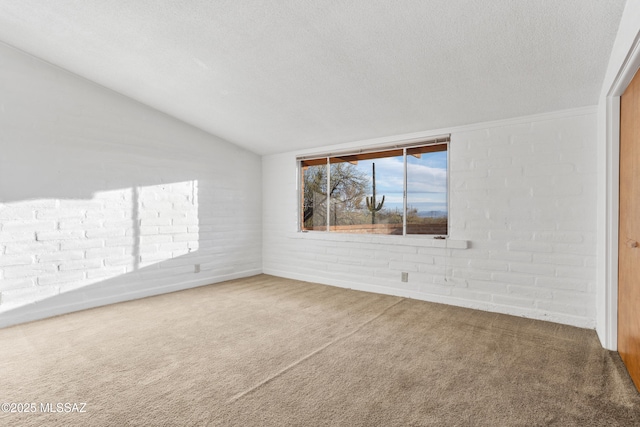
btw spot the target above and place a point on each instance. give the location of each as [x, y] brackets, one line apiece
[440, 140]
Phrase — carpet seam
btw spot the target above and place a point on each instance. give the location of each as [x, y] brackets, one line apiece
[310, 355]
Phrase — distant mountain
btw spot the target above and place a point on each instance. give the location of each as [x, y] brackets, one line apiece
[432, 214]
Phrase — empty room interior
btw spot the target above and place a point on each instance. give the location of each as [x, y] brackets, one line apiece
[320, 213]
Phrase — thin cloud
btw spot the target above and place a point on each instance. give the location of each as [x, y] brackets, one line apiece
[390, 176]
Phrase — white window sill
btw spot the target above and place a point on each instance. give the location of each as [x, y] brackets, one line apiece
[420, 241]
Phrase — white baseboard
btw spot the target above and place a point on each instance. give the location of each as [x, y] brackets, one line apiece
[63, 303]
[579, 322]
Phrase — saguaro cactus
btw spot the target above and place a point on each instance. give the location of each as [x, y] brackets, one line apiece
[372, 204]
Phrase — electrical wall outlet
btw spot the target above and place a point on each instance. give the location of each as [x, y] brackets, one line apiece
[196, 268]
[405, 276]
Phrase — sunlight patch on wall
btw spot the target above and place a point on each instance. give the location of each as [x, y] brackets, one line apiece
[50, 246]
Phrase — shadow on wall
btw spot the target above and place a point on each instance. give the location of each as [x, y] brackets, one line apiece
[105, 199]
[61, 255]
[54, 246]
[87, 225]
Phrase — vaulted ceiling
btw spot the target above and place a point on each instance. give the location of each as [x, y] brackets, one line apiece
[294, 74]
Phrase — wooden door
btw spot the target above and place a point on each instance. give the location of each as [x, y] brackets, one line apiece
[629, 231]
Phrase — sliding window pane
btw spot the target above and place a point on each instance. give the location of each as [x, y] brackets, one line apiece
[362, 204]
[427, 209]
[314, 200]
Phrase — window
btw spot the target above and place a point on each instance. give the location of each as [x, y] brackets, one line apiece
[400, 190]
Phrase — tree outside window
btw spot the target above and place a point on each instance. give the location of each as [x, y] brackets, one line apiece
[415, 205]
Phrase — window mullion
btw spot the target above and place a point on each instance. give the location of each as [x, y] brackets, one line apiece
[328, 221]
[404, 194]
[428, 162]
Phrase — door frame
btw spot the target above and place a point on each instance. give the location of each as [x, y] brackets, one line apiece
[608, 300]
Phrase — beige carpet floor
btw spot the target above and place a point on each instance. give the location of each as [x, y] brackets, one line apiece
[267, 351]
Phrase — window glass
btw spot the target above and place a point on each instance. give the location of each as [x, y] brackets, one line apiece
[314, 196]
[427, 211]
[366, 193]
[396, 191]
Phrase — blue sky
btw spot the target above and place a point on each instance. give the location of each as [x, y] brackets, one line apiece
[426, 179]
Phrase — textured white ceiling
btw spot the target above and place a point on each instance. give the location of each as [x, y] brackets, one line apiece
[294, 74]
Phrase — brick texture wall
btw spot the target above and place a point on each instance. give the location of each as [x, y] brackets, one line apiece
[522, 193]
[103, 199]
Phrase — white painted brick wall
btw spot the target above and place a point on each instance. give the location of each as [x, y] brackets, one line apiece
[523, 193]
[104, 197]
